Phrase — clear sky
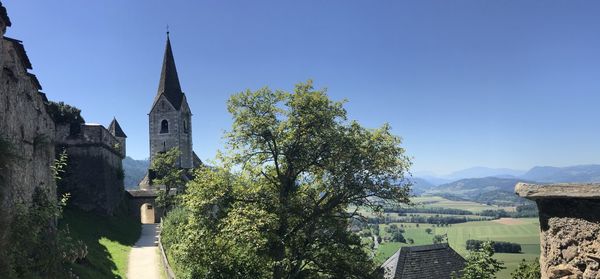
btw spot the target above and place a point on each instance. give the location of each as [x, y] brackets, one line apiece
[465, 83]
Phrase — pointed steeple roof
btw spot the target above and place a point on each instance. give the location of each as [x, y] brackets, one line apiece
[169, 81]
[115, 129]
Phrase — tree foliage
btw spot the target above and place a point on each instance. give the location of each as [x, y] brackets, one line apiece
[63, 113]
[37, 248]
[527, 270]
[499, 246]
[277, 205]
[481, 264]
[167, 173]
[440, 238]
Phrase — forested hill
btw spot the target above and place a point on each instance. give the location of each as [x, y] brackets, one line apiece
[135, 170]
[486, 190]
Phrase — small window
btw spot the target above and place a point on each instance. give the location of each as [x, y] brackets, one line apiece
[148, 206]
[185, 127]
[164, 127]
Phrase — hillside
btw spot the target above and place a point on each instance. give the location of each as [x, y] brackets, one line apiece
[135, 170]
[485, 190]
[420, 186]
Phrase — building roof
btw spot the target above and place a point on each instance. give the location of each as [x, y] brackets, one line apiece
[142, 193]
[169, 80]
[434, 261]
[115, 129]
[4, 15]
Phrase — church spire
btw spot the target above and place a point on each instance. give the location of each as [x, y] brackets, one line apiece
[169, 81]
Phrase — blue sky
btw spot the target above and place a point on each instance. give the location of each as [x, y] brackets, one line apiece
[465, 83]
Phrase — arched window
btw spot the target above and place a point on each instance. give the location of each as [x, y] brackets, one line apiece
[164, 126]
[185, 127]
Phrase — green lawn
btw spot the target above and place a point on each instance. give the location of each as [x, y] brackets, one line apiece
[108, 240]
[526, 234]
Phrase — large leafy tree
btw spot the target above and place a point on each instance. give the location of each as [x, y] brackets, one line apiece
[167, 174]
[527, 270]
[481, 264]
[280, 200]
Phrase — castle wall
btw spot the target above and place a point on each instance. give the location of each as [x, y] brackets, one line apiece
[94, 175]
[570, 228]
[26, 131]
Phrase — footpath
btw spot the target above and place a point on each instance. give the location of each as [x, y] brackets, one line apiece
[144, 260]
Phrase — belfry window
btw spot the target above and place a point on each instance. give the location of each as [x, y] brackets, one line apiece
[164, 126]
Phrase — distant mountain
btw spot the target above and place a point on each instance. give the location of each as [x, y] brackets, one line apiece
[485, 190]
[420, 186]
[435, 180]
[581, 173]
[135, 170]
[479, 172]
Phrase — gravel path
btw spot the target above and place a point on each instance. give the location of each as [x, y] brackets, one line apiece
[143, 258]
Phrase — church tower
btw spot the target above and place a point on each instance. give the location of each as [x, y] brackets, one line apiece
[170, 117]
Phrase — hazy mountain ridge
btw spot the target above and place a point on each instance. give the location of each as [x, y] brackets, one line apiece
[499, 188]
[579, 173]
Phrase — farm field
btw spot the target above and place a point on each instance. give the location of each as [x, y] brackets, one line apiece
[435, 201]
[524, 231]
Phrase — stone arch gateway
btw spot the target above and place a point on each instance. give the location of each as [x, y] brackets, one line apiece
[142, 206]
[147, 213]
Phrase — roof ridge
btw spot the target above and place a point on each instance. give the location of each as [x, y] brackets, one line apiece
[115, 129]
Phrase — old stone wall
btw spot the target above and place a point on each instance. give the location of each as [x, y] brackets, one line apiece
[570, 228]
[26, 130]
[94, 175]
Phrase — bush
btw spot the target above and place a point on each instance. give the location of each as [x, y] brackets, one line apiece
[398, 237]
[527, 270]
[38, 249]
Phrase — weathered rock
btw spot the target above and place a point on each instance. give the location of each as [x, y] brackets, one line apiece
[570, 228]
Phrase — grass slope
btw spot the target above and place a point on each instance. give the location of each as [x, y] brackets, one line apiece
[526, 234]
[108, 239]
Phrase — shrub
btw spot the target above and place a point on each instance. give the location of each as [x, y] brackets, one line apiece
[498, 246]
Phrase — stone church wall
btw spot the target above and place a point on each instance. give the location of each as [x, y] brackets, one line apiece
[94, 175]
[176, 137]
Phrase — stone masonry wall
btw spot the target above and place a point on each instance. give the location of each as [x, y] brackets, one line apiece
[176, 137]
[94, 175]
[570, 228]
[26, 131]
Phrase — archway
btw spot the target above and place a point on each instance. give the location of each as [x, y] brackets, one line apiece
[147, 213]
